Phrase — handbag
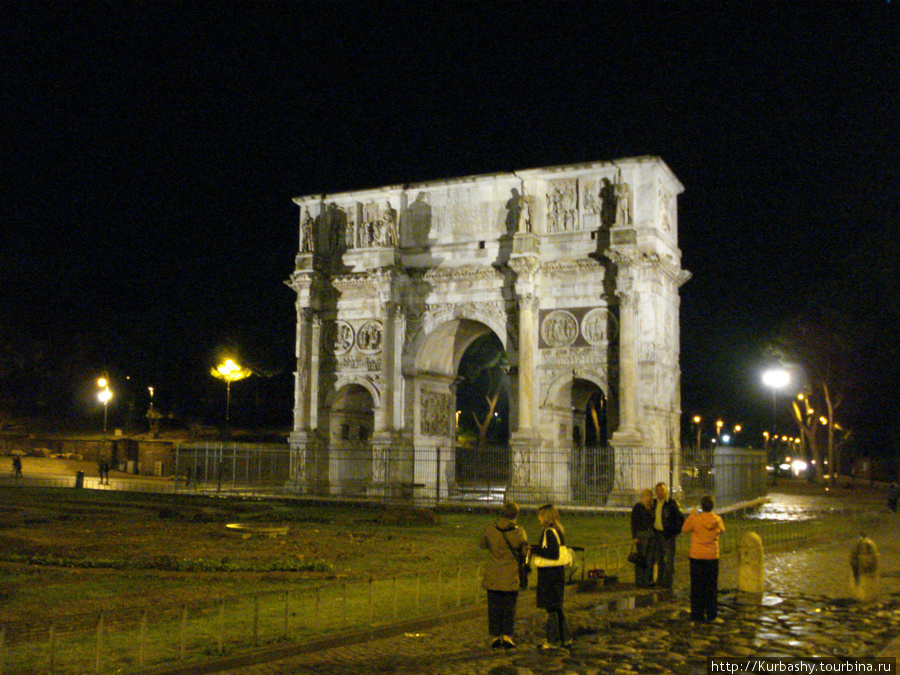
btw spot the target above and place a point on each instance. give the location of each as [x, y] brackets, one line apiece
[524, 569]
[565, 556]
[634, 557]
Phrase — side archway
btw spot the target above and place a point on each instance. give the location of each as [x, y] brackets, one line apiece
[351, 421]
[578, 402]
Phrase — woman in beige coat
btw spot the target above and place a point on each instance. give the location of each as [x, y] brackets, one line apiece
[505, 541]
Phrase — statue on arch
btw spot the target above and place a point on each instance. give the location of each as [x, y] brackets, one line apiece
[623, 203]
[518, 218]
[307, 240]
[389, 218]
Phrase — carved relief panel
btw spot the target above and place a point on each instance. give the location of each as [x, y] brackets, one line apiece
[436, 414]
[562, 205]
[666, 209]
[357, 348]
[577, 327]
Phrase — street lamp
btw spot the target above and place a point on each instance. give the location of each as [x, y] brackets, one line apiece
[230, 372]
[776, 378]
[697, 419]
[104, 396]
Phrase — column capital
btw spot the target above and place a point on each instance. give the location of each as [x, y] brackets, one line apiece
[528, 300]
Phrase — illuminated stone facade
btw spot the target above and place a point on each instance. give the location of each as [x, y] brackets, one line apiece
[575, 268]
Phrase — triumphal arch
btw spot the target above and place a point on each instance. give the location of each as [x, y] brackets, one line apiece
[576, 269]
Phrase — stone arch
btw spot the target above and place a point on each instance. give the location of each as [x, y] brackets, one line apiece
[573, 294]
[560, 383]
[464, 326]
[351, 423]
[440, 350]
[437, 363]
[592, 462]
[345, 381]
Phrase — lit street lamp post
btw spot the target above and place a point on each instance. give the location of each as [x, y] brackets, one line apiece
[104, 396]
[697, 419]
[776, 378]
[230, 372]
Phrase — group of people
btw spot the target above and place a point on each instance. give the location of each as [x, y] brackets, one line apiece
[656, 521]
[508, 549]
[103, 467]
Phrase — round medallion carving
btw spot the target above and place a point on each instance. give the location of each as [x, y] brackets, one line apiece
[343, 337]
[368, 337]
[559, 328]
[598, 327]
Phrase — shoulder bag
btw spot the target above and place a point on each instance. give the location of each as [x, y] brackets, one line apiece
[635, 558]
[565, 556]
[524, 569]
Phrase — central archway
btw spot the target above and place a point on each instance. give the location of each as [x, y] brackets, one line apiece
[444, 380]
[482, 418]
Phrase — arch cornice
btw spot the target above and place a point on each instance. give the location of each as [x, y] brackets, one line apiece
[491, 314]
[665, 263]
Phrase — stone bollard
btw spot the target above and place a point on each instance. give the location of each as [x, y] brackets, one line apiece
[864, 581]
[750, 569]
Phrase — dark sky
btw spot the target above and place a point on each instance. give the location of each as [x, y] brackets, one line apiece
[151, 151]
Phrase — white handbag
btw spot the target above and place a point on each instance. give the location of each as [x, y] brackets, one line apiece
[565, 556]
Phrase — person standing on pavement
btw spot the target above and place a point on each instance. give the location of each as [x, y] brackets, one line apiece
[667, 522]
[641, 536]
[705, 528]
[506, 543]
[551, 579]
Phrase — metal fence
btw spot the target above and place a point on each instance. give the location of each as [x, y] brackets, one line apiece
[573, 476]
[134, 640]
[229, 465]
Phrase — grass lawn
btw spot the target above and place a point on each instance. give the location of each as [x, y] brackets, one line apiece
[65, 551]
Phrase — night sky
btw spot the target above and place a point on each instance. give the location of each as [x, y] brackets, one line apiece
[151, 151]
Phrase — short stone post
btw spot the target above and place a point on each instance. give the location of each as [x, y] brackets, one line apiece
[750, 569]
[864, 580]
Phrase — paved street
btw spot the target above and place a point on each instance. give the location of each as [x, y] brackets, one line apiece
[807, 611]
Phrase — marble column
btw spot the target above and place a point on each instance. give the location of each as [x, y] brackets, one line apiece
[302, 375]
[315, 347]
[527, 347]
[628, 432]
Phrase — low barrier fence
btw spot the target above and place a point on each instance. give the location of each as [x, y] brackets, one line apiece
[148, 638]
[579, 477]
[570, 476]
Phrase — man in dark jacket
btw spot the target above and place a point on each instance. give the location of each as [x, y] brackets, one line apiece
[667, 522]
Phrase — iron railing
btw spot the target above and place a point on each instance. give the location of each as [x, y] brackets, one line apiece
[574, 476]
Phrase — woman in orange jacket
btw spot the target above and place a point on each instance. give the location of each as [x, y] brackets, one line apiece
[705, 528]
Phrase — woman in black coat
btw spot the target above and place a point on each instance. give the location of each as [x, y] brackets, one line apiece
[551, 580]
[641, 534]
